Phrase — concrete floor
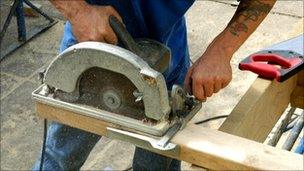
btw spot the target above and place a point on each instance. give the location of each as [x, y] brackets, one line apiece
[21, 130]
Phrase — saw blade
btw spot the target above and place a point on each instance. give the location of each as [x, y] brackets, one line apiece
[110, 91]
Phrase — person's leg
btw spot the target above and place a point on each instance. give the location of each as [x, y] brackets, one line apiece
[66, 148]
[146, 160]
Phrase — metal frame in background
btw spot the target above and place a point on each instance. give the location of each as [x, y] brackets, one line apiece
[17, 9]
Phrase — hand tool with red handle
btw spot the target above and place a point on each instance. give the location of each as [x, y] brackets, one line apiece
[276, 64]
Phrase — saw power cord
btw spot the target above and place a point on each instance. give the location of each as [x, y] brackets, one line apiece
[43, 145]
[211, 119]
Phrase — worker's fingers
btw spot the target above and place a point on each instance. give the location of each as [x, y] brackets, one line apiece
[188, 80]
[110, 37]
[208, 88]
[217, 86]
[112, 11]
[225, 83]
[198, 90]
[99, 39]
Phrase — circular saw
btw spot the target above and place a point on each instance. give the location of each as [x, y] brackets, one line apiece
[122, 86]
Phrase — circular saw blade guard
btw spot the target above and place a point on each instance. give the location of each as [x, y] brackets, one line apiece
[87, 59]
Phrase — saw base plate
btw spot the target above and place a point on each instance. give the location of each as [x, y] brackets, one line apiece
[157, 129]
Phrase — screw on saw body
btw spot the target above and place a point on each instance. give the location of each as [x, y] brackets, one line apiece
[138, 95]
[111, 99]
[180, 92]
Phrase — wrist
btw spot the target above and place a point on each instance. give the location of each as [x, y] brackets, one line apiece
[221, 48]
[226, 43]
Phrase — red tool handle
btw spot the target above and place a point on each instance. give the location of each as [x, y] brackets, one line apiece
[255, 64]
[262, 69]
[286, 63]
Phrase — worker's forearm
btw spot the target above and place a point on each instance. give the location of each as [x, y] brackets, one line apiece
[246, 19]
[69, 8]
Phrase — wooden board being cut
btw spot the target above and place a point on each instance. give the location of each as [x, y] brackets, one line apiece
[204, 147]
[259, 109]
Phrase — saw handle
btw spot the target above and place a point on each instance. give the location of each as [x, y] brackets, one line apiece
[123, 35]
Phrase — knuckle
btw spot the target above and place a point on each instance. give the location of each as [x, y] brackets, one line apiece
[209, 94]
[197, 82]
[81, 40]
[103, 31]
[208, 80]
[228, 80]
[92, 37]
[194, 76]
[109, 8]
[225, 84]
[196, 79]
[115, 41]
[218, 79]
[199, 96]
[200, 99]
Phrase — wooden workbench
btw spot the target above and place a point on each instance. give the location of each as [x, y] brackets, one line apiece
[237, 144]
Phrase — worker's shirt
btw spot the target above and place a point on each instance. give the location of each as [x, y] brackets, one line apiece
[161, 20]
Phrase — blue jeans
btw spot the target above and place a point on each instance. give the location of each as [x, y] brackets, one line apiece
[67, 148]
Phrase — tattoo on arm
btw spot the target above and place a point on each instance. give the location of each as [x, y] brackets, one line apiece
[248, 11]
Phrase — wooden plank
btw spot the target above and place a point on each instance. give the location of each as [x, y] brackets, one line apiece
[208, 148]
[297, 97]
[72, 119]
[301, 78]
[259, 109]
[217, 150]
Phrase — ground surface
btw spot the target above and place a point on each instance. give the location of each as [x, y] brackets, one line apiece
[21, 131]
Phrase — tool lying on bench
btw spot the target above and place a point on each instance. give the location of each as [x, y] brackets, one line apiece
[123, 88]
[284, 60]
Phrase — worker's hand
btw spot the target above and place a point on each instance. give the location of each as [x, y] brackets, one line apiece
[91, 23]
[209, 74]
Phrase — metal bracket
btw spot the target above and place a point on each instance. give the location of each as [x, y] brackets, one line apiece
[146, 142]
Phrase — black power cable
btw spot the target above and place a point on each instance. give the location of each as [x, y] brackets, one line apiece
[197, 123]
[43, 145]
[210, 119]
